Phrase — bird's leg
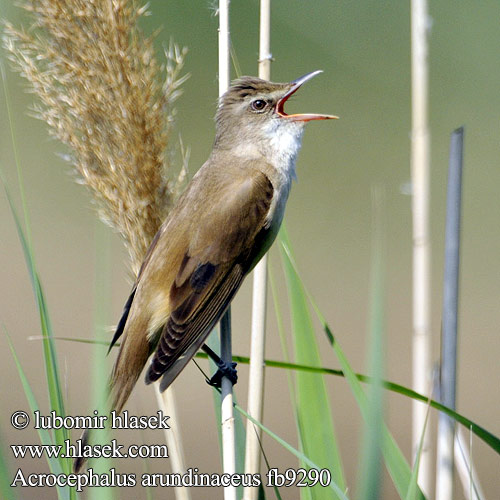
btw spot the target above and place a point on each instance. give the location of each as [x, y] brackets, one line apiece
[223, 369]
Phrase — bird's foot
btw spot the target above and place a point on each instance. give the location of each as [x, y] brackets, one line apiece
[224, 370]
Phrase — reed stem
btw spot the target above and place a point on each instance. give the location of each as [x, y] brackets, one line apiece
[420, 167]
[227, 417]
[259, 300]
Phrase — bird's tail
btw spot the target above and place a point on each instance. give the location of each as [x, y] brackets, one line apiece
[127, 369]
[119, 395]
[79, 461]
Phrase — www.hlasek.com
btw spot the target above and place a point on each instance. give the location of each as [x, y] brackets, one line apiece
[89, 478]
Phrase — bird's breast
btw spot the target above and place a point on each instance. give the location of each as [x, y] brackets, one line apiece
[276, 211]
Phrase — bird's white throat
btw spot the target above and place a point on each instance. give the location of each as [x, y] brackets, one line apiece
[283, 140]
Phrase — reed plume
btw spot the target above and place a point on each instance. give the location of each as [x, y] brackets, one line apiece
[104, 94]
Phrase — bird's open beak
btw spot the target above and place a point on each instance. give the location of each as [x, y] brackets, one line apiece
[295, 85]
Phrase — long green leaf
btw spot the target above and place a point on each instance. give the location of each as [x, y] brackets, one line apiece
[412, 493]
[486, 436]
[49, 350]
[6, 491]
[316, 429]
[284, 348]
[45, 437]
[279, 440]
[369, 476]
[396, 464]
[482, 433]
[100, 363]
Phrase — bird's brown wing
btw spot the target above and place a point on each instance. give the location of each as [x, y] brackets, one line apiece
[221, 251]
[120, 327]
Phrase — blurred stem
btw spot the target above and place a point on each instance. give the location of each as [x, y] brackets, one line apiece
[167, 404]
[371, 463]
[259, 300]
[420, 166]
[15, 149]
[448, 368]
[227, 418]
[102, 294]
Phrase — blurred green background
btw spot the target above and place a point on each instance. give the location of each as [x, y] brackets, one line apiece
[364, 50]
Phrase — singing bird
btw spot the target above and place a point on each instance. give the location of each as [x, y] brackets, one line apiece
[221, 226]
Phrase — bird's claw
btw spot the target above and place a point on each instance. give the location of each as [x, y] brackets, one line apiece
[224, 370]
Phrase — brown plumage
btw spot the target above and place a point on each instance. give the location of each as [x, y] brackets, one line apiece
[221, 226]
[210, 248]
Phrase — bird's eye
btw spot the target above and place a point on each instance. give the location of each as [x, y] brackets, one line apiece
[258, 105]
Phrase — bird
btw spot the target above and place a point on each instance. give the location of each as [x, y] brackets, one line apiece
[220, 227]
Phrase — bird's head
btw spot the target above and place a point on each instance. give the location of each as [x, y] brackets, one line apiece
[252, 112]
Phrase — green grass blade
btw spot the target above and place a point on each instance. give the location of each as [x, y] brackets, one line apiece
[396, 464]
[100, 362]
[369, 478]
[15, 151]
[281, 330]
[49, 350]
[315, 424]
[412, 493]
[284, 348]
[79, 340]
[50, 356]
[6, 491]
[303, 458]
[45, 437]
[486, 436]
[275, 488]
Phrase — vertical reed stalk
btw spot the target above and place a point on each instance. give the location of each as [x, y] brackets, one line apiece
[420, 166]
[448, 369]
[167, 404]
[370, 477]
[259, 299]
[227, 418]
[265, 56]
